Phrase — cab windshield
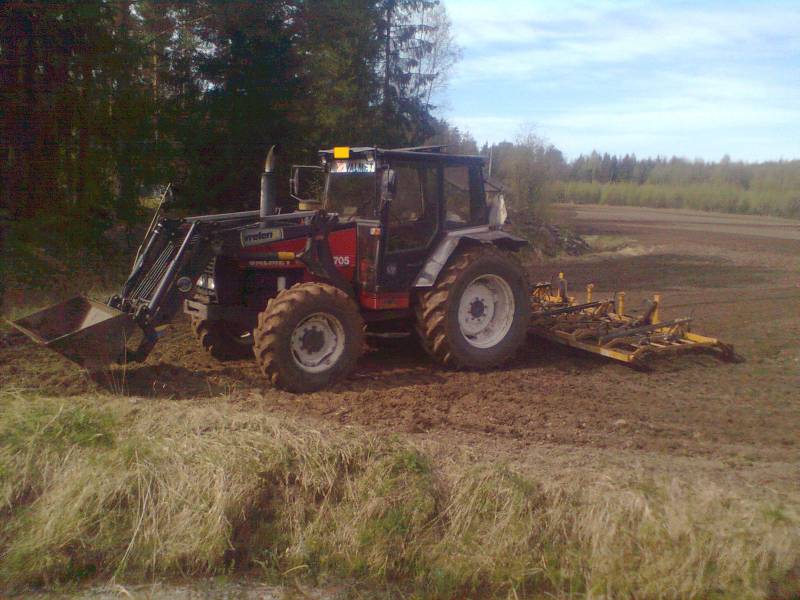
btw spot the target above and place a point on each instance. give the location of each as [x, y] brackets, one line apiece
[351, 192]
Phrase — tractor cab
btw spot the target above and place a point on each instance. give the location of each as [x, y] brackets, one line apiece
[402, 203]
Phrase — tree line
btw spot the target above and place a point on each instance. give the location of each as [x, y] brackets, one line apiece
[768, 188]
[535, 173]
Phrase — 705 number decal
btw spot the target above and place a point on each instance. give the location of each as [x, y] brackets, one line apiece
[341, 261]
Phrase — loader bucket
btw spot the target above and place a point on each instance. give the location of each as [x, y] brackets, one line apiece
[89, 333]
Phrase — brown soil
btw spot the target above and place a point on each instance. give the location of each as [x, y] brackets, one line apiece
[552, 409]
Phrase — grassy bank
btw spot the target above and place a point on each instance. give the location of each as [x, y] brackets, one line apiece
[104, 486]
[717, 197]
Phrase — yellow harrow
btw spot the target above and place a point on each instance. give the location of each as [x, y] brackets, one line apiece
[602, 327]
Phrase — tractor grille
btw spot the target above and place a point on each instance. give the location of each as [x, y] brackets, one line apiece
[148, 283]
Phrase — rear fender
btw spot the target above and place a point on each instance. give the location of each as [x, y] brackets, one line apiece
[455, 239]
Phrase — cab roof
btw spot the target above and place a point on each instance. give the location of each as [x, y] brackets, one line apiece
[432, 153]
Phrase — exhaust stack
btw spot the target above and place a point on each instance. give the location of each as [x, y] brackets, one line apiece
[267, 206]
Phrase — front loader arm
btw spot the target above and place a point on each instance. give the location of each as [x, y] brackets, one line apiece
[174, 256]
[179, 251]
[94, 334]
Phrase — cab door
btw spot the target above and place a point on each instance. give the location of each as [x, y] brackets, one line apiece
[412, 223]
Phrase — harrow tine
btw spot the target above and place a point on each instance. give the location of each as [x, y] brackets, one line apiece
[569, 309]
[643, 329]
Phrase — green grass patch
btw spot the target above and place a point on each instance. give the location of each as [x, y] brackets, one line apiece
[101, 487]
[608, 243]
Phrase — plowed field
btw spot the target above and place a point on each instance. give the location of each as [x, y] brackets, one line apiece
[554, 410]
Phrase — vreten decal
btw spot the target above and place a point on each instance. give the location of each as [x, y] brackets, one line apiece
[262, 235]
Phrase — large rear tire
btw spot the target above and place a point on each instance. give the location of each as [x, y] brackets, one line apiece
[223, 341]
[476, 315]
[308, 337]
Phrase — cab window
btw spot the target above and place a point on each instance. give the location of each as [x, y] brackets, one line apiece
[413, 214]
[462, 197]
[351, 189]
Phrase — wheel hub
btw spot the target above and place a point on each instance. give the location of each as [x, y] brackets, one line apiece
[477, 308]
[313, 340]
[486, 311]
[317, 342]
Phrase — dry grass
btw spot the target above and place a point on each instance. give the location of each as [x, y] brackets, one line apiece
[103, 486]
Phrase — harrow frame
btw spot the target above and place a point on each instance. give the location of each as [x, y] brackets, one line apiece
[602, 327]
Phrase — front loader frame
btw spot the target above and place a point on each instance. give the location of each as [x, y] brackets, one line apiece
[182, 248]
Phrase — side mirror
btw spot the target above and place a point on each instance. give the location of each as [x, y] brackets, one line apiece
[498, 213]
[388, 188]
[388, 184]
[294, 181]
[391, 183]
[306, 183]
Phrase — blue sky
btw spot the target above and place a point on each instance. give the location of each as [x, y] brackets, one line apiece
[693, 79]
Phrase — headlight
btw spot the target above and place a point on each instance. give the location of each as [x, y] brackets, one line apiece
[205, 281]
[184, 284]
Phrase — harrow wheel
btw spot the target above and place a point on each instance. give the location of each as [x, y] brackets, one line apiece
[308, 337]
[476, 315]
[222, 340]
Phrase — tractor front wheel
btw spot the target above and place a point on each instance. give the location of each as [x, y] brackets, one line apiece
[476, 315]
[222, 340]
[308, 337]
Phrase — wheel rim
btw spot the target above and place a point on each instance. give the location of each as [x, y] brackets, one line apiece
[486, 311]
[317, 342]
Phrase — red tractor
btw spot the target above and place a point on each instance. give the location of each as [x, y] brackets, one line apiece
[403, 242]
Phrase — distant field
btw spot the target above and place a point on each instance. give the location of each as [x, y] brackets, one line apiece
[699, 196]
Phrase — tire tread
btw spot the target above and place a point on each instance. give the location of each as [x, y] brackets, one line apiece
[274, 326]
[432, 306]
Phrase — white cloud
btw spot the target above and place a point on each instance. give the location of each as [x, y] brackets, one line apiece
[525, 39]
[603, 73]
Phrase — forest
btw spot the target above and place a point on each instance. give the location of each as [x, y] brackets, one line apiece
[769, 188]
[105, 101]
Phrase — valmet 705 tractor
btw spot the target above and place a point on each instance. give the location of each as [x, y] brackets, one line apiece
[403, 242]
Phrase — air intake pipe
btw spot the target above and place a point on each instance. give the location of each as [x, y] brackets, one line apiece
[267, 206]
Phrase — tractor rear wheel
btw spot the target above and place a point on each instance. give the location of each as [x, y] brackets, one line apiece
[309, 336]
[223, 340]
[476, 315]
